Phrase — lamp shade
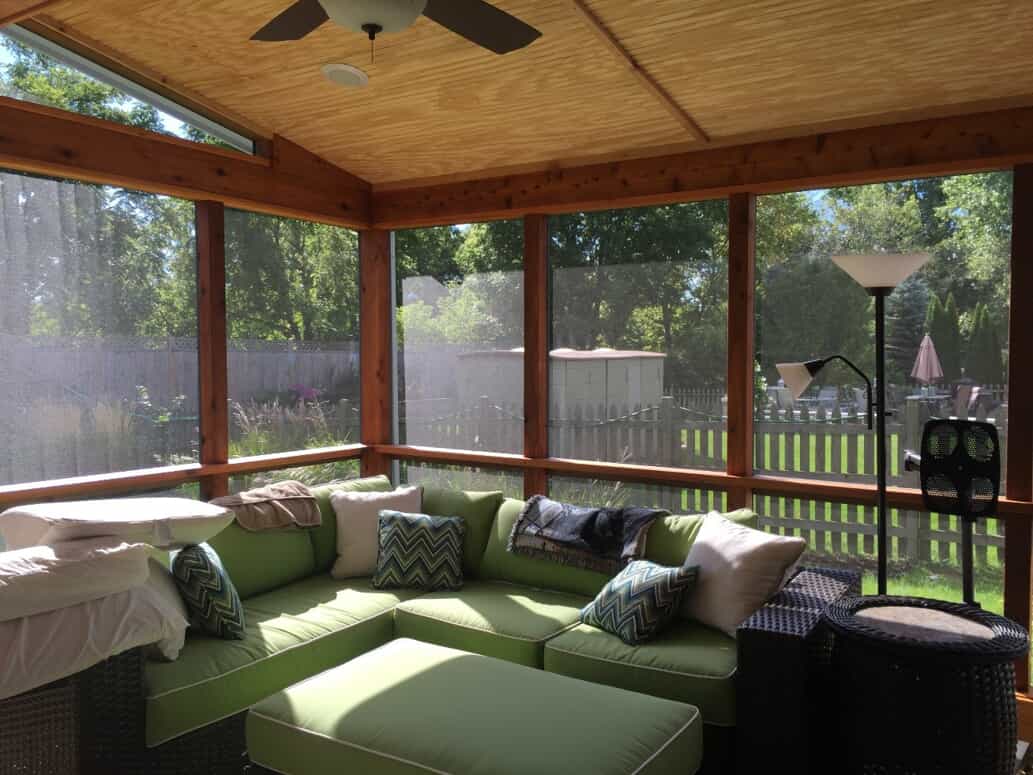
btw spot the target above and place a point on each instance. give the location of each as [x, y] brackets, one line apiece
[798, 376]
[881, 270]
[389, 15]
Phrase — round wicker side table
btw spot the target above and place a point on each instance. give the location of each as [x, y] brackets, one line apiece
[922, 686]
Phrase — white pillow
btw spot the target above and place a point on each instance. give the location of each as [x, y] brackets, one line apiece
[740, 569]
[166, 599]
[44, 578]
[36, 650]
[162, 522]
[357, 516]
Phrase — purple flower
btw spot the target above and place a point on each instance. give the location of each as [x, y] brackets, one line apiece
[305, 393]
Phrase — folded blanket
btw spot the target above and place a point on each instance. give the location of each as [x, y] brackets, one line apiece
[274, 507]
[600, 539]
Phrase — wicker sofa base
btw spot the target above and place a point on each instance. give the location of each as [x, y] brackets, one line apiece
[79, 724]
[218, 749]
[92, 723]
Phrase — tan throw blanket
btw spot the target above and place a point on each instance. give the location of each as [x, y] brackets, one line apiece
[274, 507]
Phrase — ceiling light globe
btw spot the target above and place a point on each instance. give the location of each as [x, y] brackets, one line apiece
[389, 15]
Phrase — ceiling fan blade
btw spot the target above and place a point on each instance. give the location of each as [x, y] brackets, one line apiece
[482, 23]
[295, 23]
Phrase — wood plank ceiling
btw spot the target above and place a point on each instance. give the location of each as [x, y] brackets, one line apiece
[438, 106]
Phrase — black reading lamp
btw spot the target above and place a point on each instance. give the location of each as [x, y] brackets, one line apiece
[960, 468]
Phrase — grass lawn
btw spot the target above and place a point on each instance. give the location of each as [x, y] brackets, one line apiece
[937, 584]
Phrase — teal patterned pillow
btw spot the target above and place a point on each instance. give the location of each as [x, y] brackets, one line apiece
[419, 551]
[640, 600]
[209, 595]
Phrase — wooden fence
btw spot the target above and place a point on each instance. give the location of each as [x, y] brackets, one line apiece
[110, 369]
[813, 444]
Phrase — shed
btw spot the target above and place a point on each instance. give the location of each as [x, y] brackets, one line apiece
[577, 378]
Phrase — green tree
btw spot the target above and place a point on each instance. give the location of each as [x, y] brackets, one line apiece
[943, 326]
[983, 363]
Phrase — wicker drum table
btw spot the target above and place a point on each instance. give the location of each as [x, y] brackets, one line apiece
[923, 686]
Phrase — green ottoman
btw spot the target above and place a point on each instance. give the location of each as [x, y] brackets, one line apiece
[412, 707]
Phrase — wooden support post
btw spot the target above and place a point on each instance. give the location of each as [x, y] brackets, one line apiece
[1018, 531]
[376, 307]
[211, 343]
[536, 350]
[742, 228]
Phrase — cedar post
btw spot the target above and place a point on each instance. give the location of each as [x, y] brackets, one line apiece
[1018, 530]
[213, 387]
[536, 350]
[376, 307]
[742, 223]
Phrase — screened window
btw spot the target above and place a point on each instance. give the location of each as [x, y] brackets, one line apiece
[292, 305]
[98, 330]
[807, 307]
[639, 335]
[924, 559]
[460, 324]
[604, 492]
[313, 476]
[34, 69]
[510, 483]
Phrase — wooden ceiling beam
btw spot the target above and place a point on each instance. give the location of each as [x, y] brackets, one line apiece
[615, 47]
[941, 146]
[292, 182]
[14, 11]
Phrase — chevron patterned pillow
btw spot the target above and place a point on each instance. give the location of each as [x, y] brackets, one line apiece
[210, 597]
[419, 551]
[639, 601]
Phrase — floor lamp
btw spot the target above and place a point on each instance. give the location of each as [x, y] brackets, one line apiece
[879, 274]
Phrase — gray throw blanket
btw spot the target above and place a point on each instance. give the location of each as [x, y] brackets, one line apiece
[603, 539]
[274, 507]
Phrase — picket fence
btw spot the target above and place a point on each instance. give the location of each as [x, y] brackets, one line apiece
[813, 444]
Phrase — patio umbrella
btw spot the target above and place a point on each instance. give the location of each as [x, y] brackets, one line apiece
[927, 367]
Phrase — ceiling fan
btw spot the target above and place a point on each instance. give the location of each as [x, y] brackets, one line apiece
[476, 20]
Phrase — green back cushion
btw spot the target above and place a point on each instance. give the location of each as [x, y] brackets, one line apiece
[501, 565]
[260, 561]
[478, 511]
[324, 537]
[668, 543]
[670, 538]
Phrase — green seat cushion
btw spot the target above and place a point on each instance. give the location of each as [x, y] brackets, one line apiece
[478, 511]
[688, 662]
[291, 633]
[500, 620]
[411, 708]
[502, 565]
[260, 561]
[324, 537]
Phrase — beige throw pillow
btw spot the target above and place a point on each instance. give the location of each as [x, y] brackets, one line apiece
[357, 516]
[740, 569]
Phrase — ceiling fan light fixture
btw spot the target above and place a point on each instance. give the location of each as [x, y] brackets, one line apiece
[348, 76]
[360, 15]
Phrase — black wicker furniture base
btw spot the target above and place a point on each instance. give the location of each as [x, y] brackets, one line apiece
[923, 686]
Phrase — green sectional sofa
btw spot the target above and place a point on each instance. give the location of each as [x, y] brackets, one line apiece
[301, 621]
